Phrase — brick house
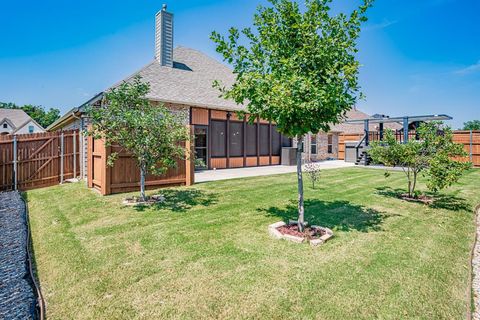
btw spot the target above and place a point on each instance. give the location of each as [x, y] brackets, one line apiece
[182, 78]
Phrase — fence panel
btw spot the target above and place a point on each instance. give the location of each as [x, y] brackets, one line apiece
[124, 176]
[38, 159]
[470, 140]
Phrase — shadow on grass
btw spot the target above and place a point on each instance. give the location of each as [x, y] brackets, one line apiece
[440, 200]
[336, 215]
[181, 200]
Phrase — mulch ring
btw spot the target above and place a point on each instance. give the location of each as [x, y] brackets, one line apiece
[308, 233]
[137, 201]
[428, 200]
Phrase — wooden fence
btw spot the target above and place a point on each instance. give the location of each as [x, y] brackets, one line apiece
[124, 176]
[470, 140]
[30, 161]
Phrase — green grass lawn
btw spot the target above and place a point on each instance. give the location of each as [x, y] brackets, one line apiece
[206, 253]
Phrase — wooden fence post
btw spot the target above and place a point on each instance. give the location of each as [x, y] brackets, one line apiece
[74, 137]
[15, 163]
[61, 157]
[90, 143]
[190, 158]
[471, 146]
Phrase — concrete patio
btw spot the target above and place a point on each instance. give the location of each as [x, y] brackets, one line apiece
[226, 174]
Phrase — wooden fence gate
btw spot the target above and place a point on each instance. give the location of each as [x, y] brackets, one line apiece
[31, 161]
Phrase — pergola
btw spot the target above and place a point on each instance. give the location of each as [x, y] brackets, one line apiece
[405, 120]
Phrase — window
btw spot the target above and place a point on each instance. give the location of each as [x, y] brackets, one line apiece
[219, 138]
[313, 144]
[264, 140]
[30, 129]
[330, 144]
[251, 140]
[276, 142]
[5, 126]
[236, 139]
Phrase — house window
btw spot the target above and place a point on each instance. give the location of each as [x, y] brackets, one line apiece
[330, 144]
[30, 129]
[313, 144]
[5, 126]
[236, 139]
[219, 138]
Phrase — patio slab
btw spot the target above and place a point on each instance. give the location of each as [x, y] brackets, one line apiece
[226, 174]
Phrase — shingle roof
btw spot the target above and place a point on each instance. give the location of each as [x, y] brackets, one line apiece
[190, 81]
[355, 114]
[17, 117]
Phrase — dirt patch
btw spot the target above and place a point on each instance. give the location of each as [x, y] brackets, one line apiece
[428, 200]
[137, 201]
[308, 233]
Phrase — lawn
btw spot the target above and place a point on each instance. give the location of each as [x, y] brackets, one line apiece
[206, 253]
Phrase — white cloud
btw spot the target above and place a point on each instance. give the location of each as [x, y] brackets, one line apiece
[382, 25]
[474, 68]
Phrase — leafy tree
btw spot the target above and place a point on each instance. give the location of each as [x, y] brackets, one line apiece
[37, 113]
[152, 134]
[433, 155]
[472, 125]
[297, 68]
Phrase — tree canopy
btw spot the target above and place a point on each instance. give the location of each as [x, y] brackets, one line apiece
[296, 68]
[472, 125]
[38, 113]
[434, 155]
[154, 135]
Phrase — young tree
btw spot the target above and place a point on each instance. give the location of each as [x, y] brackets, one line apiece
[313, 172]
[472, 125]
[433, 155]
[152, 134]
[297, 68]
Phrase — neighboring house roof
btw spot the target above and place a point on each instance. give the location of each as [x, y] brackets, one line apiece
[16, 118]
[355, 114]
[6, 120]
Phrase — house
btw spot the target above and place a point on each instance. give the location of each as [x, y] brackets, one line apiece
[182, 79]
[16, 121]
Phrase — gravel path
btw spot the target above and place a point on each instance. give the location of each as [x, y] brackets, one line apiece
[476, 272]
[17, 298]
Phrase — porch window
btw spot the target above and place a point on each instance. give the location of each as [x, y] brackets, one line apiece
[236, 139]
[330, 143]
[313, 144]
[276, 142]
[219, 138]
[264, 140]
[251, 140]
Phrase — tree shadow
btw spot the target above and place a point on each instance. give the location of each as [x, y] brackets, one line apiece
[336, 215]
[181, 200]
[440, 200]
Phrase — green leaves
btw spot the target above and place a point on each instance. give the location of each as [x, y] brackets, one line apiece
[434, 154]
[472, 125]
[296, 68]
[153, 134]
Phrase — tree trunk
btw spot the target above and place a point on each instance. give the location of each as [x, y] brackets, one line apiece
[301, 209]
[142, 183]
[414, 183]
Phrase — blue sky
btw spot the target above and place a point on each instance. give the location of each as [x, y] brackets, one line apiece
[418, 56]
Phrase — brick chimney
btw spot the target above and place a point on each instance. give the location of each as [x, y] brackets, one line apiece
[164, 37]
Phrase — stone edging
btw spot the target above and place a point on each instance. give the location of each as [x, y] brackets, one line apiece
[272, 229]
[474, 277]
